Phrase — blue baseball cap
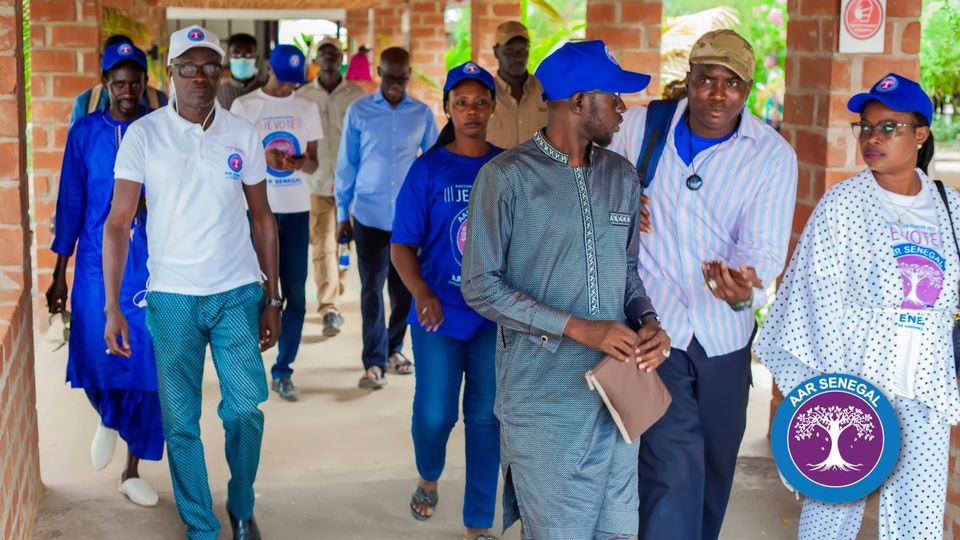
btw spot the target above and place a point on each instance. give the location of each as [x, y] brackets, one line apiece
[287, 63]
[466, 71]
[897, 92]
[585, 66]
[118, 52]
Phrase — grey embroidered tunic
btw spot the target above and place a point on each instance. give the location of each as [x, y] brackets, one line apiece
[547, 241]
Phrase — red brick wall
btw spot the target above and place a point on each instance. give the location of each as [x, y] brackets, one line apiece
[485, 16]
[387, 29]
[19, 463]
[357, 23]
[631, 30]
[428, 47]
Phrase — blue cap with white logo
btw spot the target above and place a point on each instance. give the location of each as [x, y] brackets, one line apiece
[586, 66]
[118, 52]
[466, 71]
[897, 92]
[287, 63]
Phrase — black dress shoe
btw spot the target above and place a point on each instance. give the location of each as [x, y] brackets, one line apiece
[244, 530]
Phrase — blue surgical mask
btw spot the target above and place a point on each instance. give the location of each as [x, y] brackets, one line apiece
[243, 68]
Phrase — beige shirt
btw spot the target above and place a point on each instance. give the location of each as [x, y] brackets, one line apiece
[230, 89]
[513, 123]
[333, 107]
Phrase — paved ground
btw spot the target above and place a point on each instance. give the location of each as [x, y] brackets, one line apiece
[337, 465]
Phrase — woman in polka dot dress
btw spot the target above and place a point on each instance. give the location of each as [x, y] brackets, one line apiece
[871, 291]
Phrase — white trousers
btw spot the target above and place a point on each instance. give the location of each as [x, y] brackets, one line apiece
[912, 499]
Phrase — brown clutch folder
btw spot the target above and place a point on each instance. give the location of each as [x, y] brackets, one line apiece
[636, 399]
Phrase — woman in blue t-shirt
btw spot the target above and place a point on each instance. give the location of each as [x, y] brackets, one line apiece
[451, 342]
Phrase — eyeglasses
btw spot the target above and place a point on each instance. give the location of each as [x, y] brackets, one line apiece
[882, 131]
[615, 95]
[190, 71]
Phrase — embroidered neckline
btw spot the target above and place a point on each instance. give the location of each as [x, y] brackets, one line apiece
[551, 151]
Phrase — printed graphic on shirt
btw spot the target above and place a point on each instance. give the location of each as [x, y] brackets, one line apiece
[234, 166]
[921, 265]
[460, 195]
[287, 143]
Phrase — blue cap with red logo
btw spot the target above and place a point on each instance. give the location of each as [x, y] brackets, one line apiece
[466, 71]
[897, 92]
[586, 66]
[119, 52]
[287, 63]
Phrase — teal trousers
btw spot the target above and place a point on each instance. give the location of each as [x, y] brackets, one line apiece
[182, 326]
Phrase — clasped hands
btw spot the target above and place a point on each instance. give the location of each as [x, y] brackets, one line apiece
[648, 347]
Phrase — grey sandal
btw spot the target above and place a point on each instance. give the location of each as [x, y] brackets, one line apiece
[373, 383]
[399, 364]
[483, 537]
[422, 496]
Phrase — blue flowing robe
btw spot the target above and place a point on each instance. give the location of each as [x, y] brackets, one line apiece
[123, 390]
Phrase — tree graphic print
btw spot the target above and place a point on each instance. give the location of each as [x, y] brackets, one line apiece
[833, 421]
[916, 273]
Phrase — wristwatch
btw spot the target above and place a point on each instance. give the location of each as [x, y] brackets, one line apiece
[740, 306]
[277, 303]
[650, 314]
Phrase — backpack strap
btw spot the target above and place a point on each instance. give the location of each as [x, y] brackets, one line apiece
[659, 115]
[943, 196]
[94, 103]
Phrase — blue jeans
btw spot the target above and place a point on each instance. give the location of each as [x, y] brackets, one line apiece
[442, 363]
[293, 231]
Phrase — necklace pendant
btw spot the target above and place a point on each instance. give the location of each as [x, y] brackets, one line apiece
[694, 182]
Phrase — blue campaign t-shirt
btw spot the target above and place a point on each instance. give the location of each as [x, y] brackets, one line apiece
[689, 144]
[432, 215]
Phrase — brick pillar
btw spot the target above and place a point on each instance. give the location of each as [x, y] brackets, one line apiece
[358, 28]
[631, 30]
[64, 41]
[485, 16]
[19, 463]
[387, 29]
[428, 47]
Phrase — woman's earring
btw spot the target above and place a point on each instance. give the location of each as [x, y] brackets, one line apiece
[919, 146]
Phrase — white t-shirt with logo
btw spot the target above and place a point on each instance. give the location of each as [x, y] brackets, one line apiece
[198, 236]
[288, 124]
[917, 246]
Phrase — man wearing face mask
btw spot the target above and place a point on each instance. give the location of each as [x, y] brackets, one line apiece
[332, 94]
[202, 168]
[520, 107]
[381, 136]
[243, 79]
[290, 130]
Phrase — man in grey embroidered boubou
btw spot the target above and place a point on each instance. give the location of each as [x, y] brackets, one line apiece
[563, 300]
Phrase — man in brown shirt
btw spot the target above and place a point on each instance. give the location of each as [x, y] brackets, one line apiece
[244, 71]
[332, 94]
[520, 108]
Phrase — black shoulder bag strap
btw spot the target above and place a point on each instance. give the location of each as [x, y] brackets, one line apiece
[956, 245]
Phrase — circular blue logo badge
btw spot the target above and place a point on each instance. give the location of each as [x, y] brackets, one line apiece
[125, 49]
[835, 438]
[195, 35]
[294, 61]
[235, 162]
[287, 143]
[471, 68]
[887, 84]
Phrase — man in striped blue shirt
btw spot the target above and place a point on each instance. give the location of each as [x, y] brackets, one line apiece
[717, 217]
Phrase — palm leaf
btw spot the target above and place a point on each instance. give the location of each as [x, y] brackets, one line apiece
[550, 11]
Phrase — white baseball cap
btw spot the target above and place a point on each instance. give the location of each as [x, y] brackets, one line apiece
[191, 37]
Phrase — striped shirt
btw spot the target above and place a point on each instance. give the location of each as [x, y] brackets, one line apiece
[742, 215]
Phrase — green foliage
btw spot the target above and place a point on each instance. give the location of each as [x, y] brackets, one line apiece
[460, 51]
[940, 49]
[304, 42]
[945, 129]
[552, 23]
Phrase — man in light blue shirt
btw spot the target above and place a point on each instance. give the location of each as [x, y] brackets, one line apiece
[382, 134]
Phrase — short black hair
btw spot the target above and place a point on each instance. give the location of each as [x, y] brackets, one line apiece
[116, 38]
[124, 63]
[241, 39]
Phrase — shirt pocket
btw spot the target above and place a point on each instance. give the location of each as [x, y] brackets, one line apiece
[225, 163]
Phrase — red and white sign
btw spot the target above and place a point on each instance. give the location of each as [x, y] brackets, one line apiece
[862, 26]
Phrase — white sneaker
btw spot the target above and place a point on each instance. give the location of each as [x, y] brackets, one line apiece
[102, 447]
[139, 492]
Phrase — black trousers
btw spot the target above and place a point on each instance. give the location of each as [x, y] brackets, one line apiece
[373, 261]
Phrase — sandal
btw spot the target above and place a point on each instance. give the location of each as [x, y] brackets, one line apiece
[482, 537]
[376, 382]
[398, 364]
[422, 496]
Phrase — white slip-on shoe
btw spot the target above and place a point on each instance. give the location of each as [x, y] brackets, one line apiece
[102, 448]
[139, 492]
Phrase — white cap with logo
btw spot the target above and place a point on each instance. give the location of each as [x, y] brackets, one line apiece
[191, 37]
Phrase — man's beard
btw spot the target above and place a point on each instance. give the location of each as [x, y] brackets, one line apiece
[596, 131]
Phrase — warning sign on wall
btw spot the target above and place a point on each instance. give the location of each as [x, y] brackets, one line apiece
[862, 26]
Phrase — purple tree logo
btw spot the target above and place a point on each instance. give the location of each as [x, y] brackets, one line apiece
[833, 421]
[914, 274]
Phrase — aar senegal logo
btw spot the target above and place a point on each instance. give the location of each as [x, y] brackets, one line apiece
[294, 61]
[471, 68]
[835, 438]
[234, 166]
[195, 35]
[125, 49]
[887, 84]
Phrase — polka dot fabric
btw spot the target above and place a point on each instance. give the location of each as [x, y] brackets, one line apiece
[835, 311]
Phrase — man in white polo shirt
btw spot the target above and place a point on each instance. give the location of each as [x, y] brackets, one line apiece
[289, 129]
[199, 165]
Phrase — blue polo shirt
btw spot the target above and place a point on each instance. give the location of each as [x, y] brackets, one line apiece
[431, 214]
